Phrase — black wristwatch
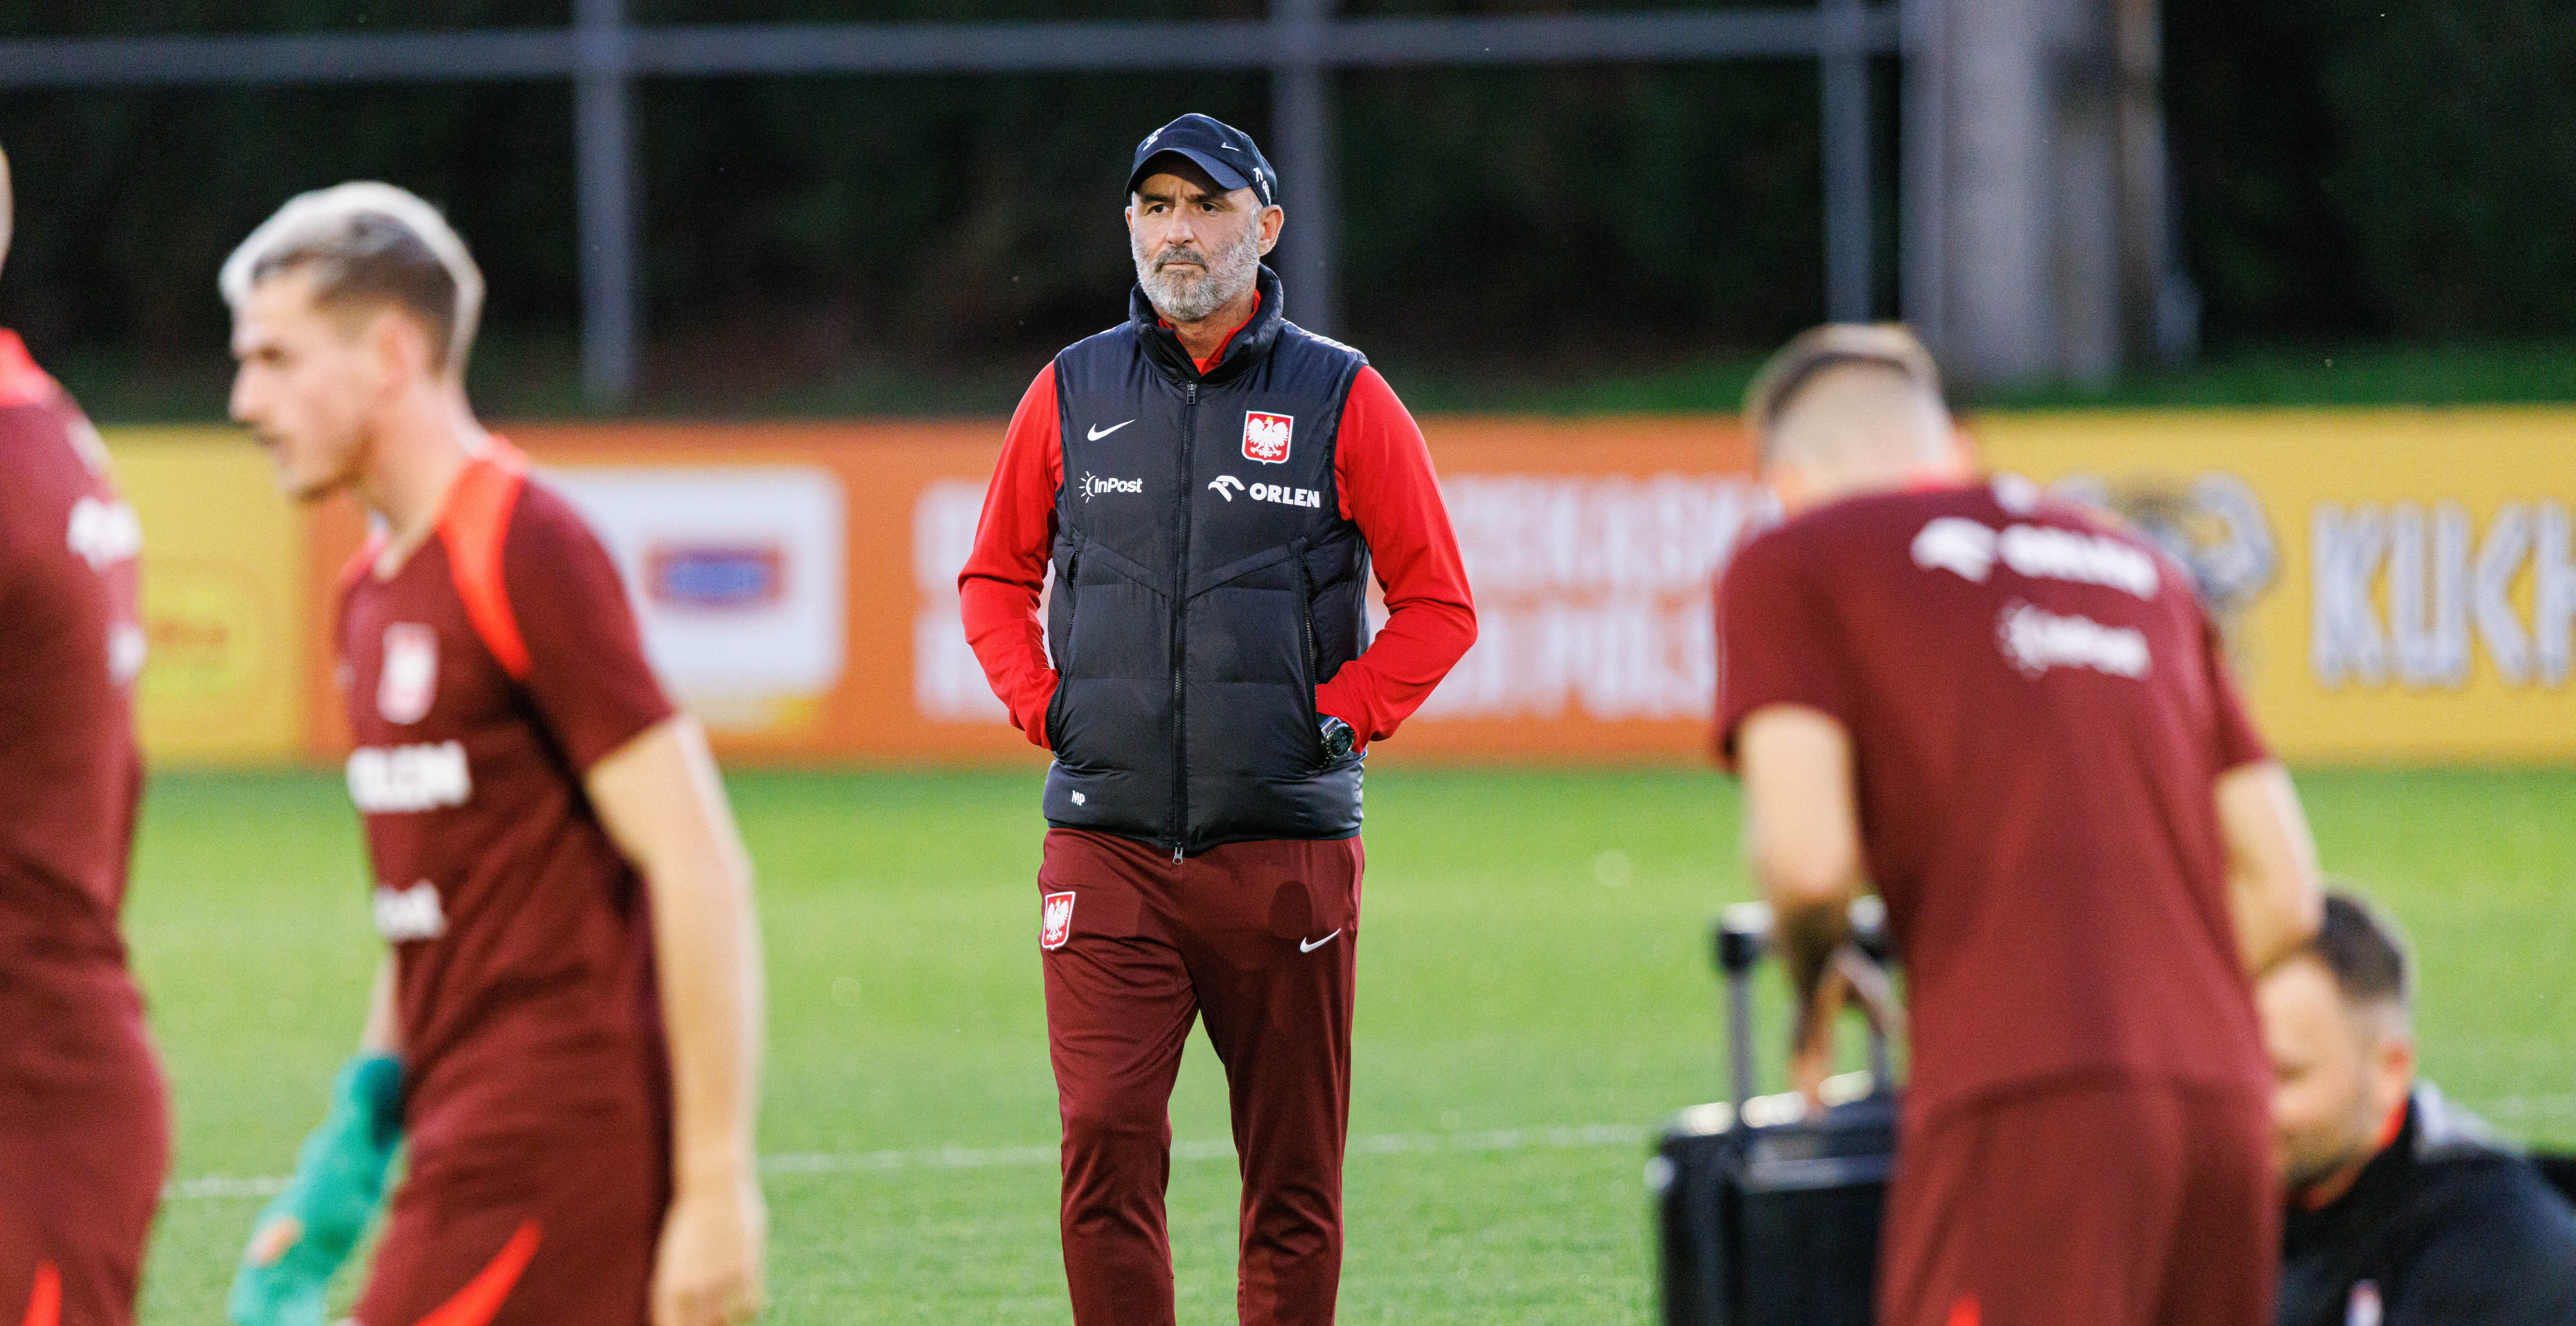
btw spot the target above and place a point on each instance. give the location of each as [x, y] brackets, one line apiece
[1338, 738]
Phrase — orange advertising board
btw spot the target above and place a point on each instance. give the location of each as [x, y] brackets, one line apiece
[1591, 547]
[2395, 585]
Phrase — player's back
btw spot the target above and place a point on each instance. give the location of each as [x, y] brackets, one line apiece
[2039, 715]
[69, 772]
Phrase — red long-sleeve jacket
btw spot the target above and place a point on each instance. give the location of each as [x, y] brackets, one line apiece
[1388, 488]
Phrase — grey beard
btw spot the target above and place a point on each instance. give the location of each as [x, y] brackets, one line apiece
[1190, 298]
[2303, 1177]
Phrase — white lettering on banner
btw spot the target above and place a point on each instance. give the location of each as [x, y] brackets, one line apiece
[2344, 638]
[2431, 638]
[2499, 558]
[1593, 592]
[1625, 658]
[948, 685]
[394, 780]
[2439, 594]
[2553, 593]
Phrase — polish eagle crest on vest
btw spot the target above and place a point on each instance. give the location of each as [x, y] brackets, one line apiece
[1265, 436]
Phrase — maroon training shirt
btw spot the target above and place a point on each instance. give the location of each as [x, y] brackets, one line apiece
[483, 680]
[2039, 710]
[70, 778]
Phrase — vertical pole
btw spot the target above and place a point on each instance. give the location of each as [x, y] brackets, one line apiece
[604, 169]
[1301, 115]
[2157, 324]
[1844, 72]
[1924, 149]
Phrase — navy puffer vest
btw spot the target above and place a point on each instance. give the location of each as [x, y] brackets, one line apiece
[1205, 583]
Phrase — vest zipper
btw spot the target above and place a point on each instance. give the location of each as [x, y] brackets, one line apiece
[1180, 606]
[1306, 615]
[1072, 611]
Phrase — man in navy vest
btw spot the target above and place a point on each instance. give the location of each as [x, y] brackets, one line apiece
[1211, 486]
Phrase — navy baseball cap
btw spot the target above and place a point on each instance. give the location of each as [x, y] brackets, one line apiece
[1226, 153]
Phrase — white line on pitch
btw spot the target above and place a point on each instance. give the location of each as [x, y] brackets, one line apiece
[217, 1186]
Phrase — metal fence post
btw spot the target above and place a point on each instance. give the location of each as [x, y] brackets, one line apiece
[1849, 226]
[604, 170]
[1302, 132]
[1923, 257]
[1300, 44]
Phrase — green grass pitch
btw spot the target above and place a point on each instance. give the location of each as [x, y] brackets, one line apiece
[1535, 996]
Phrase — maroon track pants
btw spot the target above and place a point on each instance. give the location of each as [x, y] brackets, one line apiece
[81, 1168]
[2101, 1202]
[1257, 939]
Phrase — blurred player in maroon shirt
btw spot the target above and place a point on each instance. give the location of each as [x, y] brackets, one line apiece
[2011, 716]
[84, 1120]
[574, 992]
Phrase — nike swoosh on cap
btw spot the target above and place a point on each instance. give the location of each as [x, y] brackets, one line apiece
[1099, 433]
[1304, 946]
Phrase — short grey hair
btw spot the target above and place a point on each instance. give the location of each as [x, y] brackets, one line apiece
[368, 243]
[2365, 952]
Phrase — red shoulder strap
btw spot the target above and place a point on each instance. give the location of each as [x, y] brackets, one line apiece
[474, 526]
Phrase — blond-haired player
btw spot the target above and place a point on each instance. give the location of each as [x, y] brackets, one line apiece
[567, 1036]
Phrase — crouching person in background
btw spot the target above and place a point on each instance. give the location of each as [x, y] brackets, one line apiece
[2403, 1209]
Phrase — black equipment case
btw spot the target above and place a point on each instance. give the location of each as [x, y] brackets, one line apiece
[1766, 1217]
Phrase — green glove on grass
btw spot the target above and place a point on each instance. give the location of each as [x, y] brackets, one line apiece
[310, 1228]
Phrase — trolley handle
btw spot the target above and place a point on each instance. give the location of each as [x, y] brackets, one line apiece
[1743, 936]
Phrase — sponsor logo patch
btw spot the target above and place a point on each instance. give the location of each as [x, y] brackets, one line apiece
[1265, 436]
[1226, 486]
[2035, 640]
[127, 648]
[409, 914]
[103, 533]
[1056, 921]
[409, 680]
[1969, 550]
[395, 780]
[1096, 485]
[715, 577]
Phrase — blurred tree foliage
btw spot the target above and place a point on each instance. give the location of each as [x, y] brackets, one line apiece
[2341, 173]
[2399, 168]
[797, 224]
